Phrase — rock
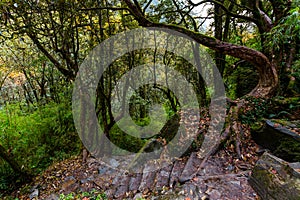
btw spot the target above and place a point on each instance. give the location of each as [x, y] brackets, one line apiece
[148, 178]
[102, 169]
[190, 168]
[85, 180]
[163, 177]
[138, 196]
[176, 172]
[214, 194]
[281, 141]
[52, 197]
[238, 183]
[275, 179]
[292, 126]
[169, 197]
[230, 167]
[122, 186]
[191, 191]
[34, 194]
[135, 181]
[70, 185]
[109, 193]
[114, 163]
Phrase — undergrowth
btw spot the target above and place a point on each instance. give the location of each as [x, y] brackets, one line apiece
[35, 138]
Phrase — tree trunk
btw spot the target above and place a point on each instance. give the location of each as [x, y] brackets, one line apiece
[219, 57]
[14, 164]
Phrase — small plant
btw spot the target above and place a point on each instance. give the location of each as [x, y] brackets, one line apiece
[92, 195]
[255, 110]
[66, 197]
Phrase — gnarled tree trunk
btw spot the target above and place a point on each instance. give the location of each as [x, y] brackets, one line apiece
[265, 64]
[268, 76]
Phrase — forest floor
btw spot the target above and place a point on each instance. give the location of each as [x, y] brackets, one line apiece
[222, 177]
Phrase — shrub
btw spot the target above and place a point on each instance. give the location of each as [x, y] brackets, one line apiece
[37, 137]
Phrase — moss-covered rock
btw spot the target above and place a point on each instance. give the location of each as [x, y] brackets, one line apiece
[276, 179]
[282, 142]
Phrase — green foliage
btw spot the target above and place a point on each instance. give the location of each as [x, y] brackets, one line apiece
[287, 30]
[131, 139]
[92, 195]
[36, 138]
[289, 150]
[130, 133]
[255, 110]
[241, 80]
[6, 176]
[125, 141]
[295, 72]
[258, 109]
[296, 69]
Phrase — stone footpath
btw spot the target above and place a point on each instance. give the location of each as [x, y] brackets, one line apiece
[217, 180]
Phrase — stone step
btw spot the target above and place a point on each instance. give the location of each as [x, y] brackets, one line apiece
[177, 169]
[163, 176]
[190, 168]
[122, 186]
[135, 182]
[148, 179]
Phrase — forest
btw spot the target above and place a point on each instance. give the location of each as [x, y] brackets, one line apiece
[148, 99]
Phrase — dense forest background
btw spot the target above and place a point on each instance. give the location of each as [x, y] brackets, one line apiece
[255, 45]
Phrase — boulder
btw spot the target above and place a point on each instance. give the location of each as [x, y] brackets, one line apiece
[275, 179]
[279, 140]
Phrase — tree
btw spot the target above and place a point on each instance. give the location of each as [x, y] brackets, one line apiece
[265, 16]
[266, 62]
[65, 31]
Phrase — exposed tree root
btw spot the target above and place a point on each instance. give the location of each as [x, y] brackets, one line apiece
[232, 133]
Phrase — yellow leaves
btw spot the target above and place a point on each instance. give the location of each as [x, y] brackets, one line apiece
[247, 36]
[15, 74]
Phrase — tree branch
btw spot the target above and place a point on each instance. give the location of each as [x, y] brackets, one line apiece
[104, 8]
[147, 5]
[267, 71]
[226, 10]
[64, 71]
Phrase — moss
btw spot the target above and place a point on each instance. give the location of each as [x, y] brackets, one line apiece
[287, 100]
[257, 126]
[288, 149]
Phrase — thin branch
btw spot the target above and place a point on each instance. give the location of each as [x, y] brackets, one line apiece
[205, 40]
[181, 14]
[147, 5]
[225, 9]
[49, 56]
[136, 3]
[103, 8]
